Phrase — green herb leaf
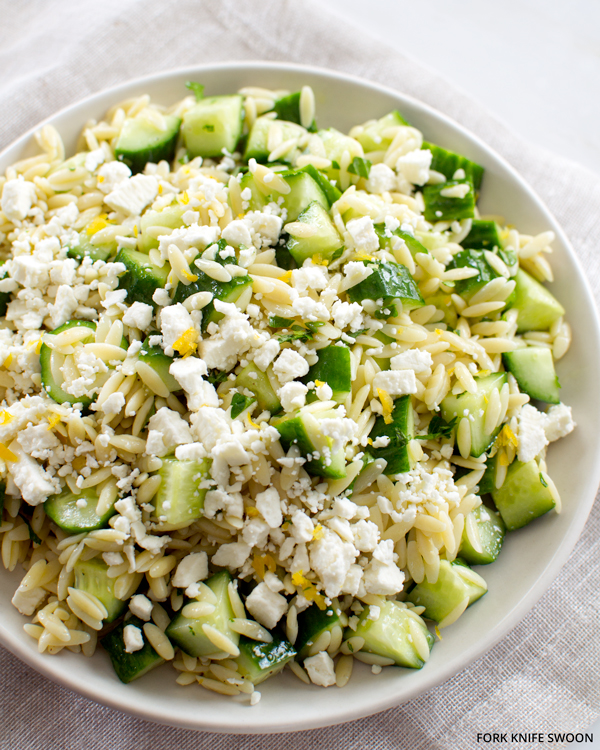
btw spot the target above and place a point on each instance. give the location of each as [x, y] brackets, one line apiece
[335, 164]
[356, 334]
[32, 535]
[275, 321]
[217, 376]
[196, 88]
[184, 159]
[439, 429]
[239, 403]
[360, 166]
[298, 333]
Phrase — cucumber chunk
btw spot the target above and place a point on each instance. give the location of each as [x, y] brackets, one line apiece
[301, 427]
[304, 190]
[389, 281]
[180, 499]
[129, 667]
[538, 309]
[259, 661]
[374, 136]
[325, 243]
[85, 249]
[331, 191]
[440, 207]
[473, 406]
[312, 623]
[455, 582]
[447, 162]
[170, 218]
[523, 496]
[70, 517]
[533, 367]
[334, 368]
[5, 297]
[141, 141]
[187, 632]
[258, 138]
[288, 108]
[51, 362]
[472, 259]
[484, 235]
[214, 124]
[393, 634]
[491, 530]
[160, 363]
[92, 576]
[400, 431]
[263, 385]
[412, 242]
[142, 278]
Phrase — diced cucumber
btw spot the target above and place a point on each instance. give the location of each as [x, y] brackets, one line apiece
[92, 576]
[392, 634]
[141, 141]
[304, 190]
[258, 138]
[262, 384]
[537, 307]
[374, 138]
[453, 585]
[259, 661]
[239, 404]
[472, 259]
[288, 108]
[389, 281]
[325, 243]
[84, 248]
[5, 297]
[142, 278]
[158, 361]
[533, 367]
[214, 124]
[400, 431]
[188, 633]
[170, 218]
[312, 623]
[331, 191]
[412, 242]
[283, 258]
[301, 428]
[491, 530]
[487, 483]
[484, 235]
[180, 499]
[334, 368]
[132, 666]
[523, 496]
[472, 406]
[447, 162]
[51, 363]
[440, 207]
[335, 144]
[64, 510]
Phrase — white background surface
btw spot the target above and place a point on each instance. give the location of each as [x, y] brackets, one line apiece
[533, 63]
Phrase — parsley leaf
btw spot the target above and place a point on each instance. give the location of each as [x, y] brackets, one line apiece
[239, 403]
[360, 166]
[217, 376]
[335, 164]
[275, 321]
[298, 333]
[32, 535]
[356, 334]
[438, 428]
[196, 88]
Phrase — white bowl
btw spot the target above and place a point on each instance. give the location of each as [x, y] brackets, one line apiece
[532, 557]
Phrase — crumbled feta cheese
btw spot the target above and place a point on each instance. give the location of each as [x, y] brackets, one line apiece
[65, 304]
[374, 612]
[415, 165]
[231, 556]
[189, 373]
[381, 179]
[190, 452]
[456, 191]
[363, 234]
[309, 277]
[94, 159]
[381, 442]
[35, 484]
[161, 297]
[111, 175]
[17, 198]
[293, 396]
[172, 428]
[330, 558]
[366, 535]
[255, 697]
[266, 353]
[38, 441]
[395, 382]
[141, 606]
[268, 505]
[310, 310]
[235, 336]
[321, 669]
[113, 404]
[133, 195]
[353, 580]
[383, 579]
[133, 638]
[324, 392]
[348, 314]
[413, 359]
[355, 272]
[339, 429]
[302, 527]
[531, 435]
[139, 315]
[237, 233]
[289, 366]
[266, 606]
[559, 422]
[191, 569]
[265, 227]
[175, 320]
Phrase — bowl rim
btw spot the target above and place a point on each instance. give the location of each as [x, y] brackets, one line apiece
[51, 668]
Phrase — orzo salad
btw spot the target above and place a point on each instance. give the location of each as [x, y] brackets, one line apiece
[269, 391]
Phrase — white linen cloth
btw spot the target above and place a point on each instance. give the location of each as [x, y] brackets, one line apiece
[544, 675]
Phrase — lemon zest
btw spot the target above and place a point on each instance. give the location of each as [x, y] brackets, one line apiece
[319, 260]
[483, 373]
[5, 417]
[387, 402]
[318, 532]
[7, 362]
[362, 255]
[186, 344]
[6, 454]
[251, 511]
[135, 230]
[53, 421]
[286, 277]
[160, 189]
[252, 424]
[97, 224]
[185, 198]
[189, 276]
[439, 635]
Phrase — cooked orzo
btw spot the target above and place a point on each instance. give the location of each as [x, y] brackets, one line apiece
[266, 389]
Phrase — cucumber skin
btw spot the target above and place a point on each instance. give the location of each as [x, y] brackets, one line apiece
[522, 498]
[400, 432]
[129, 667]
[326, 242]
[483, 235]
[334, 368]
[158, 147]
[450, 209]
[259, 661]
[178, 478]
[472, 258]
[159, 361]
[311, 623]
[534, 371]
[92, 574]
[368, 139]
[412, 243]
[388, 281]
[70, 518]
[538, 308]
[491, 534]
[216, 136]
[85, 249]
[261, 387]
[142, 278]
[54, 391]
[447, 162]
[288, 108]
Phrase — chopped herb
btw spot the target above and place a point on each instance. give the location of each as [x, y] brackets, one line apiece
[209, 127]
[217, 376]
[275, 321]
[360, 166]
[439, 429]
[32, 535]
[239, 403]
[542, 480]
[184, 159]
[335, 164]
[391, 311]
[356, 334]
[196, 88]
[298, 333]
